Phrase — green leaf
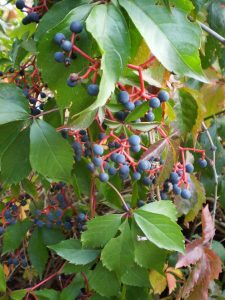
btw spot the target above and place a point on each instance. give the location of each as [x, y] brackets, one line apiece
[18, 295]
[165, 207]
[50, 154]
[187, 111]
[29, 187]
[137, 293]
[219, 249]
[160, 230]
[149, 256]
[108, 27]
[8, 133]
[170, 36]
[198, 195]
[47, 294]
[53, 118]
[138, 112]
[118, 253]
[14, 106]
[73, 289]
[71, 251]
[2, 280]
[104, 282]
[55, 15]
[83, 121]
[185, 5]
[83, 176]
[51, 236]
[37, 251]
[56, 74]
[100, 230]
[136, 276]
[15, 164]
[14, 235]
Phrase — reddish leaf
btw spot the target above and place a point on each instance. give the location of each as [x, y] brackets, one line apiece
[193, 254]
[155, 150]
[207, 263]
[171, 281]
[208, 230]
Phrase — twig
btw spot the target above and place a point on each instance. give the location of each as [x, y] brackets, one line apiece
[210, 31]
[216, 35]
[213, 147]
[118, 193]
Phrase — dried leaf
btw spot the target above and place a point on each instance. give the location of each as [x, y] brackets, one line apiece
[208, 230]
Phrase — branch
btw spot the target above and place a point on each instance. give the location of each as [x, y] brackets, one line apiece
[213, 147]
[210, 31]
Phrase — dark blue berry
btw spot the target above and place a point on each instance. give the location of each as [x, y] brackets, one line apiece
[76, 27]
[163, 96]
[120, 159]
[134, 140]
[176, 189]
[154, 102]
[2, 230]
[137, 176]
[97, 161]
[129, 106]
[112, 171]
[98, 150]
[137, 103]
[59, 37]
[81, 217]
[34, 17]
[40, 223]
[71, 83]
[93, 89]
[123, 97]
[140, 203]
[150, 116]
[59, 57]
[185, 194]
[124, 170]
[103, 177]
[136, 148]
[174, 178]
[189, 168]
[163, 195]
[202, 163]
[144, 165]
[146, 181]
[91, 167]
[67, 225]
[66, 45]
[20, 4]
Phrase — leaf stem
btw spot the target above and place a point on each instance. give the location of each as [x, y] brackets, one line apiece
[45, 113]
[214, 170]
[118, 193]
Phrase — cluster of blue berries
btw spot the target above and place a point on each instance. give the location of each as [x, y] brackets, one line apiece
[16, 261]
[154, 102]
[32, 16]
[176, 180]
[67, 55]
[122, 163]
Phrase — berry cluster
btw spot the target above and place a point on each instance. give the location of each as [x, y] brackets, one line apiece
[28, 79]
[35, 12]
[69, 52]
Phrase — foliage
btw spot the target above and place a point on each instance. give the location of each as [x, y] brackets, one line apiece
[111, 150]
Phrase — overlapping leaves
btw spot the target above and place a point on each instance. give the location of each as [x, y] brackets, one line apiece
[25, 145]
